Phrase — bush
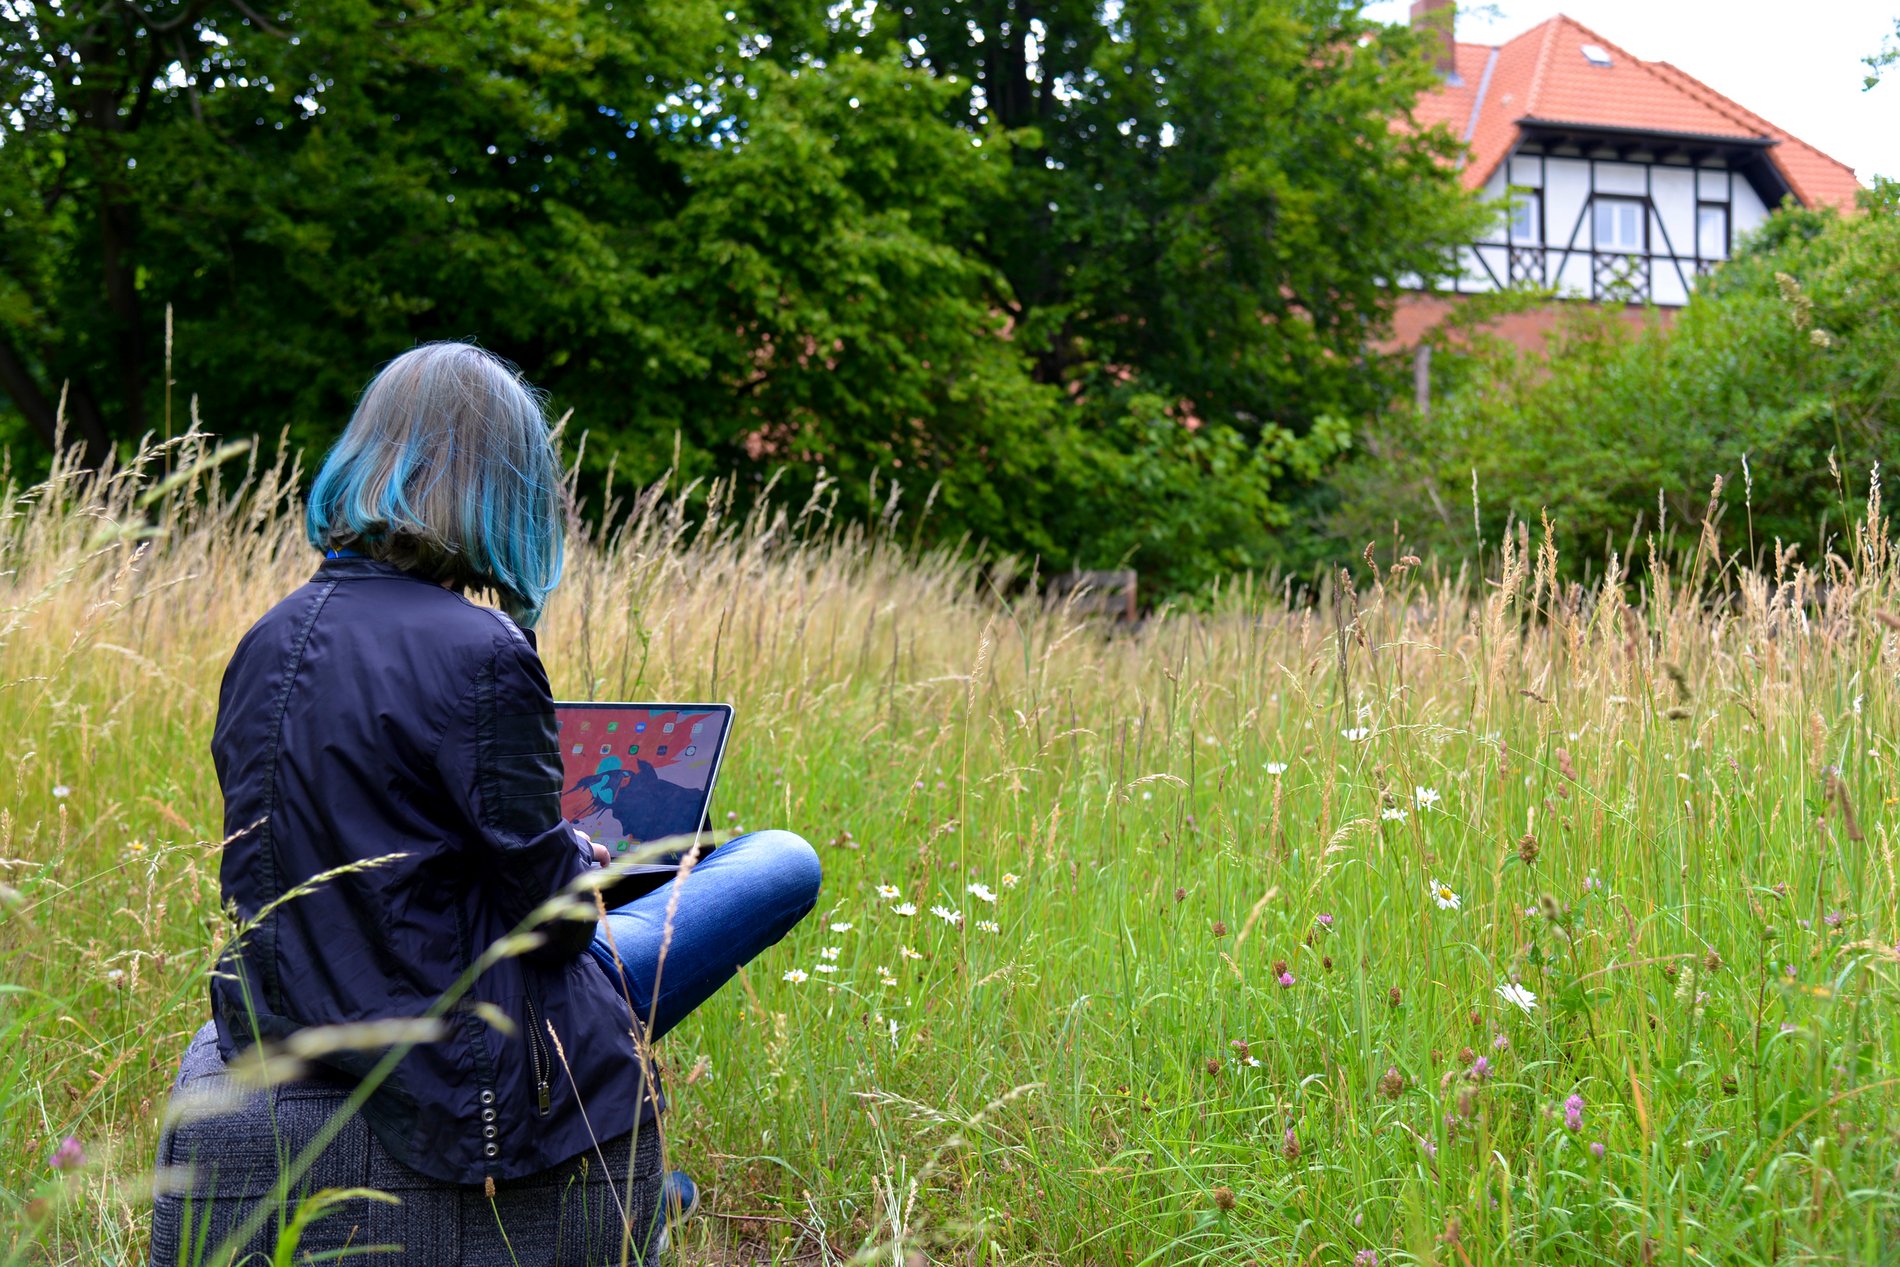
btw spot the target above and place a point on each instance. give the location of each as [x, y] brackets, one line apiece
[1782, 378]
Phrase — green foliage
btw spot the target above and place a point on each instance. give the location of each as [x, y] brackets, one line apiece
[1782, 378]
[835, 251]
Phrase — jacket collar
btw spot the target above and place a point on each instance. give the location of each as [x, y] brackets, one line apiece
[350, 567]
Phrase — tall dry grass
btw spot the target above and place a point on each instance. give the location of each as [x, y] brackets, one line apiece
[1203, 996]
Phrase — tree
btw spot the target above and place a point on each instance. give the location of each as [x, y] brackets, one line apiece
[1064, 267]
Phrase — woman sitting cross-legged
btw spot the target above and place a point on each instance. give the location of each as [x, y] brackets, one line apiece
[378, 717]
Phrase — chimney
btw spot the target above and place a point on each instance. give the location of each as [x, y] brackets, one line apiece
[1437, 19]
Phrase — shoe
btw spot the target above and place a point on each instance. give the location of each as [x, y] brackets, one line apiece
[679, 1196]
[679, 1201]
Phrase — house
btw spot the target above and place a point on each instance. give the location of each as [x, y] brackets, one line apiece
[1625, 179]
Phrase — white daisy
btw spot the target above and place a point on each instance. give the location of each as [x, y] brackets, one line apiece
[1443, 894]
[888, 891]
[908, 953]
[1516, 994]
[947, 915]
[1392, 814]
[841, 928]
[61, 791]
[826, 967]
[829, 952]
[988, 926]
[906, 909]
[1427, 797]
[1011, 879]
[797, 976]
[982, 893]
[1276, 767]
[885, 976]
[1355, 734]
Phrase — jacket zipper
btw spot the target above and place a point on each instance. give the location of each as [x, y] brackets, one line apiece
[538, 1056]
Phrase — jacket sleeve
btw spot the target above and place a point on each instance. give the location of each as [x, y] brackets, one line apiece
[501, 763]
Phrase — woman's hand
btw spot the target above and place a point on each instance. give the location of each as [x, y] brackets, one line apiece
[601, 856]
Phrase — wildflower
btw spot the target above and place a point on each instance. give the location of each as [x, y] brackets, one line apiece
[1355, 734]
[828, 952]
[1220, 928]
[70, 1155]
[1290, 1145]
[1392, 1085]
[1223, 1199]
[888, 891]
[1011, 879]
[1392, 814]
[906, 909]
[827, 967]
[947, 915]
[1323, 920]
[1276, 767]
[908, 953]
[885, 976]
[1834, 919]
[1500, 1043]
[1516, 995]
[1366, 1258]
[61, 791]
[1426, 797]
[1393, 998]
[135, 846]
[1527, 849]
[1573, 1113]
[1713, 962]
[1286, 980]
[797, 976]
[841, 928]
[1180, 895]
[983, 893]
[989, 926]
[1213, 1065]
[1596, 1149]
[1445, 896]
[1481, 1069]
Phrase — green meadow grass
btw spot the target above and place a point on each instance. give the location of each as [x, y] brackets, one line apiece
[1221, 1007]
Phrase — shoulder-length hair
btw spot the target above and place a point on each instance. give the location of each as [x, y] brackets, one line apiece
[447, 470]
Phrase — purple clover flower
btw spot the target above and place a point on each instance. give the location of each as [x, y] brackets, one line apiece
[1324, 921]
[1573, 1113]
[70, 1155]
[1596, 1149]
[1286, 980]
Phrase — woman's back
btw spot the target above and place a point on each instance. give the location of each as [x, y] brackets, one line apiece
[375, 720]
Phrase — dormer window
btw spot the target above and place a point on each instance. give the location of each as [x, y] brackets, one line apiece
[1527, 216]
[1597, 55]
[1619, 224]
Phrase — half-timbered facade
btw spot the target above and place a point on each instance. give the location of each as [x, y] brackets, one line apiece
[1624, 180]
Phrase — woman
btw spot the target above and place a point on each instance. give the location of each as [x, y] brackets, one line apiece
[378, 722]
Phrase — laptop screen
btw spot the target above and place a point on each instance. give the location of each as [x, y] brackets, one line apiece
[639, 772]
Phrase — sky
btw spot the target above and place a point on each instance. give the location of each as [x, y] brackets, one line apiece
[1796, 64]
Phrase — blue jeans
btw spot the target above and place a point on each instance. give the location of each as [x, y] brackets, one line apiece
[738, 902]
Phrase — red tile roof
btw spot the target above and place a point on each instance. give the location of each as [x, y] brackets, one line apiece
[1544, 75]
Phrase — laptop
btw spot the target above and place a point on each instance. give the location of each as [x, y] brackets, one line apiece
[635, 773]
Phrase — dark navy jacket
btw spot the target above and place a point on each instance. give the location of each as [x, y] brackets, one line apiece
[374, 713]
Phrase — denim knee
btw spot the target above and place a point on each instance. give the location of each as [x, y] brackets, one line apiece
[792, 863]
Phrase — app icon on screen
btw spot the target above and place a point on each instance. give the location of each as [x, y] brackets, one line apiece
[639, 728]
[691, 750]
[698, 726]
[667, 729]
[606, 748]
[660, 751]
[622, 846]
[577, 750]
[612, 726]
[632, 748]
